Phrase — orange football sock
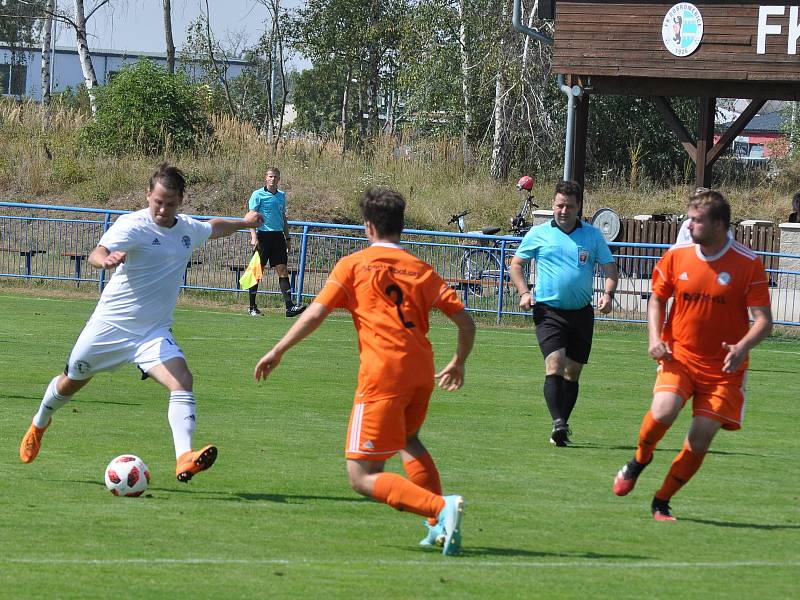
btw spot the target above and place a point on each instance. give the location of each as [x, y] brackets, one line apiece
[423, 472]
[401, 494]
[680, 472]
[650, 434]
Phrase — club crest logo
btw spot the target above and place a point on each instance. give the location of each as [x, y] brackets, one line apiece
[81, 366]
[724, 278]
[682, 30]
[187, 241]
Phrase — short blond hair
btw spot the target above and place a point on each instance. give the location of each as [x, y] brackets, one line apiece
[715, 203]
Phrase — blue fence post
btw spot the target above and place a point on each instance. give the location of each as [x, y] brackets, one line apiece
[102, 278]
[301, 267]
[502, 281]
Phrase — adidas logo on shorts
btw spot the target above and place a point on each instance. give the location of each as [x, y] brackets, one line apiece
[156, 242]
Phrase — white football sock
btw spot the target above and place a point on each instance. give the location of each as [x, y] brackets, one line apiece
[181, 415]
[51, 402]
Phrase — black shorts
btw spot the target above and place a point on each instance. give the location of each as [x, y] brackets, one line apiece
[558, 328]
[272, 248]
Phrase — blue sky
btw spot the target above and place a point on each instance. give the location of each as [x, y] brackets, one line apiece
[131, 25]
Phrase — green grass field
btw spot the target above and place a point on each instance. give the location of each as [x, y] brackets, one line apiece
[275, 517]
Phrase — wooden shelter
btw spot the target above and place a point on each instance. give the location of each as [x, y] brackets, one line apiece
[707, 49]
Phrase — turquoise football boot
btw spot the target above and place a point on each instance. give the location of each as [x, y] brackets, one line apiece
[435, 535]
[450, 519]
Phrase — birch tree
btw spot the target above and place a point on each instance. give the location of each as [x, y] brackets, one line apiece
[47, 28]
[76, 20]
[203, 46]
[499, 165]
[87, 68]
[168, 39]
[271, 50]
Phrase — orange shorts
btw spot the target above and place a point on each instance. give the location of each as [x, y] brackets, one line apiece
[380, 426]
[721, 397]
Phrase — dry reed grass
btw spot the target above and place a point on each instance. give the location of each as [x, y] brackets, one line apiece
[323, 184]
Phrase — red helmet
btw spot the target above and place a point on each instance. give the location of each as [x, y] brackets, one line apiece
[525, 183]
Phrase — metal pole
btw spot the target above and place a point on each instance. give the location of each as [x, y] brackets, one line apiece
[301, 267]
[502, 281]
[516, 21]
[572, 93]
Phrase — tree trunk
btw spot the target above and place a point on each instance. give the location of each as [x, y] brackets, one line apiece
[89, 77]
[47, 28]
[373, 71]
[276, 6]
[346, 109]
[500, 154]
[372, 95]
[220, 73]
[362, 101]
[465, 87]
[170, 43]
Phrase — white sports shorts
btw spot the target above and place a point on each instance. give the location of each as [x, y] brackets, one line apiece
[103, 347]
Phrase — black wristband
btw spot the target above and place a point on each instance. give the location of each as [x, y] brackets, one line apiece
[610, 294]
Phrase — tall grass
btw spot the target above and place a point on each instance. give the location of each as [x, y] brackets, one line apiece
[322, 182]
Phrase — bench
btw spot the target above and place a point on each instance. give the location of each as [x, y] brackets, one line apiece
[28, 253]
[238, 269]
[77, 258]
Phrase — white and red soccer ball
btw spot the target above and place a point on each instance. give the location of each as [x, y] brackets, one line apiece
[127, 475]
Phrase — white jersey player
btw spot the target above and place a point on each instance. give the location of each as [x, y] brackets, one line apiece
[150, 249]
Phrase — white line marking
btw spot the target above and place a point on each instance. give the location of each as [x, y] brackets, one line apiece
[459, 562]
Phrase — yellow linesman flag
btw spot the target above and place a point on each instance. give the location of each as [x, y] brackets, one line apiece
[253, 274]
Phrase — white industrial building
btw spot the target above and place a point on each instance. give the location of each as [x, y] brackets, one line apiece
[20, 74]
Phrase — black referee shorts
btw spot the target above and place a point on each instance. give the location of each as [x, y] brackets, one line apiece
[272, 248]
[558, 328]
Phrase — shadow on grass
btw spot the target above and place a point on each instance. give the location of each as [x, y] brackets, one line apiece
[82, 401]
[668, 450]
[472, 552]
[13, 397]
[234, 497]
[294, 498]
[735, 525]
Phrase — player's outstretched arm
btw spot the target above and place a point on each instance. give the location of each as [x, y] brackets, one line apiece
[452, 376]
[761, 328]
[101, 258]
[311, 318]
[225, 227]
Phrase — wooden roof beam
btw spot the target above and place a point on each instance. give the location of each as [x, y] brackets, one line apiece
[735, 129]
[674, 123]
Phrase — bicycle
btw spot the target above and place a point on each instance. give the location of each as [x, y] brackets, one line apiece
[480, 267]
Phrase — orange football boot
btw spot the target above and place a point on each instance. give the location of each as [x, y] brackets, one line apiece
[32, 442]
[191, 463]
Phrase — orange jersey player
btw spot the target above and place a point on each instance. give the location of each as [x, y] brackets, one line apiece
[389, 293]
[702, 349]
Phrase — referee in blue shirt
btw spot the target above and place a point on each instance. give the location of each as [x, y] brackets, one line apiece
[272, 239]
[566, 251]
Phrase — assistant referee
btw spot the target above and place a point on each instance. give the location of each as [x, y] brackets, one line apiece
[565, 250]
[272, 239]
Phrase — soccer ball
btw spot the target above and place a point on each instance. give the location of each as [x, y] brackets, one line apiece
[127, 475]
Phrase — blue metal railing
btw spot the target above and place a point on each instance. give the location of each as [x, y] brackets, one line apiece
[48, 242]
